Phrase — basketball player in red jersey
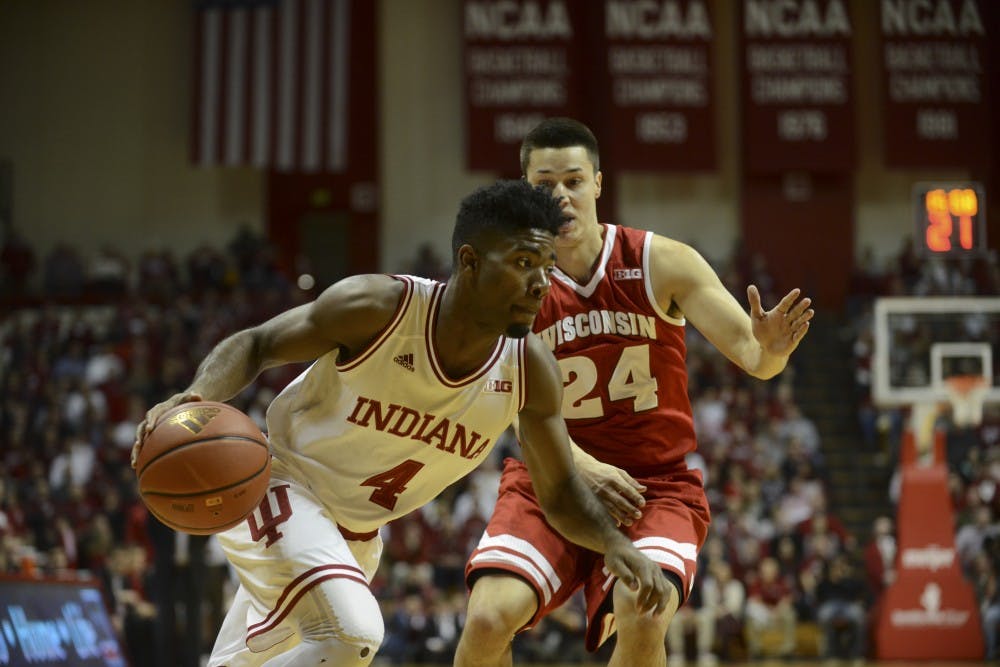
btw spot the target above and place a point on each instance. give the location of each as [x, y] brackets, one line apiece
[615, 317]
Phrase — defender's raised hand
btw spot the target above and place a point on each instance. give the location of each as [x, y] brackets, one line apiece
[780, 329]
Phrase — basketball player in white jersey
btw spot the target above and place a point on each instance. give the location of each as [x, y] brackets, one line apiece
[614, 317]
[413, 382]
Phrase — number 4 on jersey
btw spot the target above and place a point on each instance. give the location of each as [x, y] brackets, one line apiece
[631, 378]
[389, 484]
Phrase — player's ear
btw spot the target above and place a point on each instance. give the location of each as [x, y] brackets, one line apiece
[598, 178]
[467, 258]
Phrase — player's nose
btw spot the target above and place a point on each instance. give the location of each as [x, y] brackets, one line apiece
[539, 286]
[561, 193]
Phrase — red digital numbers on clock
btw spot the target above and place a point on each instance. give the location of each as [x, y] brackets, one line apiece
[949, 219]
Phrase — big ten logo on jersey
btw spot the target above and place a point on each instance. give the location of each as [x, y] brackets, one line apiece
[494, 386]
[273, 511]
[194, 419]
[627, 274]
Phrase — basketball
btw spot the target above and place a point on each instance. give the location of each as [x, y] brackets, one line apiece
[203, 468]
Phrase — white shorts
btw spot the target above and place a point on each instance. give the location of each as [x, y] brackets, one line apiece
[297, 573]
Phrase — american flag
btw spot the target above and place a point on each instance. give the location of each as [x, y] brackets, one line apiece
[271, 83]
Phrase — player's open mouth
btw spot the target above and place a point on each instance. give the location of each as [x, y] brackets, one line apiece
[567, 224]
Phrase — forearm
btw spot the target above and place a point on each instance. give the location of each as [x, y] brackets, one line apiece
[578, 515]
[228, 368]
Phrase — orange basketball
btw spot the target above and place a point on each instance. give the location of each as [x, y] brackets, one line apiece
[203, 468]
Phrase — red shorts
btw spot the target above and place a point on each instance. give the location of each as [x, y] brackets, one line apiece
[519, 540]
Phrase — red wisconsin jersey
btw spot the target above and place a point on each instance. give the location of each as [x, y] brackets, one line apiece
[625, 395]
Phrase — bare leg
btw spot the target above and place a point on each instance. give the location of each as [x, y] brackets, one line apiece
[640, 636]
[499, 606]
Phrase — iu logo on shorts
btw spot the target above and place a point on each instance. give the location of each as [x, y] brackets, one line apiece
[269, 521]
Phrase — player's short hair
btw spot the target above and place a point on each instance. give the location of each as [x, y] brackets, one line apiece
[502, 209]
[560, 133]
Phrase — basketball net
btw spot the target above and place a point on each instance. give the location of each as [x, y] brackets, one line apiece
[966, 394]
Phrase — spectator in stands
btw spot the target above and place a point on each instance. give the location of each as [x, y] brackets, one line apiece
[125, 583]
[17, 262]
[710, 414]
[716, 619]
[688, 620]
[243, 248]
[207, 268]
[103, 365]
[822, 523]
[428, 264]
[71, 363]
[770, 605]
[841, 597]
[107, 273]
[96, 543]
[971, 537]
[796, 505]
[447, 613]
[880, 556]
[986, 578]
[806, 591]
[64, 275]
[795, 425]
[177, 589]
[158, 278]
[407, 627]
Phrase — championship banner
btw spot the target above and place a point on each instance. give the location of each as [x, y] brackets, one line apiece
[934, 79]
[659, 67]
[520, 65]
[797, 85]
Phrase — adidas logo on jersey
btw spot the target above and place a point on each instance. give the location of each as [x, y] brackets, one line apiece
[627, 274]
[405, 360]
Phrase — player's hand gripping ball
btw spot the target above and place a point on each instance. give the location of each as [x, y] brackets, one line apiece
[203, 468]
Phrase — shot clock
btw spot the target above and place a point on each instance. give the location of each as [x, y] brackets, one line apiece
[950, 219]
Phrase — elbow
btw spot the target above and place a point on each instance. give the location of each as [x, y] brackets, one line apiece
[763, 375]
[253, 345]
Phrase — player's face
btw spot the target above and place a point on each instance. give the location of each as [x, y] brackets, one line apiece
[514, 278]
[569, 174]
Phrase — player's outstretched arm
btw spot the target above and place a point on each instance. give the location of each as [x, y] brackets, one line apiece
[569, 505]
[759, 342]
[347, 315]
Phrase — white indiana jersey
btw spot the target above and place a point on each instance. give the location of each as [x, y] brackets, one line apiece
[382, 434]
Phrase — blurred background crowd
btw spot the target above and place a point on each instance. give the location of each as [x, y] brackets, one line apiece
[88, 344]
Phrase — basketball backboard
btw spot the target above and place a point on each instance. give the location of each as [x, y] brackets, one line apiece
[920, 342]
